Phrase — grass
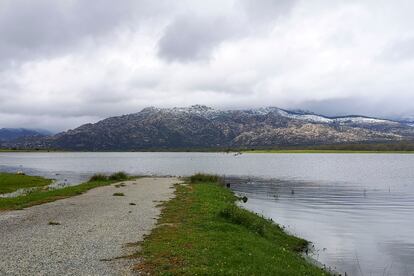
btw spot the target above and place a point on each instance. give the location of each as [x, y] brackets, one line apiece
[118, 176]
[200, 177]
[43, 196]
[98, 177]
[203, 232]
[12, 182]
[118, 194]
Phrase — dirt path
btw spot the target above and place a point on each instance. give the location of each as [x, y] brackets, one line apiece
[93, 230]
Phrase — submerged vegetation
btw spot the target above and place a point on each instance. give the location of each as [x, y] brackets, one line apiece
[202, 231]
[10, 182]
[41, 196]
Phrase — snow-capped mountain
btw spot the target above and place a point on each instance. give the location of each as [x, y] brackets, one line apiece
[204, 127]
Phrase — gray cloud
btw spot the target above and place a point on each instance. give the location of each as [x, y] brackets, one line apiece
[265, 10]
[64, 63]
[400, 50]
[191, 37]
[36, 29]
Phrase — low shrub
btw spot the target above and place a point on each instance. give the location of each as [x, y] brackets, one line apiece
[118, 176]
[98, 177]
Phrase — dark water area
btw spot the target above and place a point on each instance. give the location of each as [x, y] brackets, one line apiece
[357, 209]
[354, 230]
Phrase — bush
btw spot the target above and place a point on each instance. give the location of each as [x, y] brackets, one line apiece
[98, 177]
[200, 177]
[118, 176]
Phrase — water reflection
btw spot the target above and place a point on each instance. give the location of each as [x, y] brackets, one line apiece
[355, 230]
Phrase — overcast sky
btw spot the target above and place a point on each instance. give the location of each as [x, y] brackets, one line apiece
[69, 62]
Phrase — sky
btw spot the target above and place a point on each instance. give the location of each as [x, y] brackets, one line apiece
[69, 62]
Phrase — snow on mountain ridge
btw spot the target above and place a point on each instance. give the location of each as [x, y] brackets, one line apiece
[209, 113]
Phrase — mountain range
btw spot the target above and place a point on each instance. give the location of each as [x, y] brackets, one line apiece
[10, 134]
[200, 126]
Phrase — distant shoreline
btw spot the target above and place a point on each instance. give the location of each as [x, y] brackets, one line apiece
[390, 147]
[327, 151]
[253, 151]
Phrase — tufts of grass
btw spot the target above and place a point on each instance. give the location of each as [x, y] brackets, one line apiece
[118, 194]
[98, 177]
[201, 177]
[119, 176]
[203, 232]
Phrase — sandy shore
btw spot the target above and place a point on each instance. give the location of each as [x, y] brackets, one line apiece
[93, 230]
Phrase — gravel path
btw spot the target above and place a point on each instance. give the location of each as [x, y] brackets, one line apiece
[94, 230]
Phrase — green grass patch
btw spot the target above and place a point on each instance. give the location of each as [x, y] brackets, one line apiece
[118, 194]
[12, 182]
[203, 232]
[43, 196]
[40, 197]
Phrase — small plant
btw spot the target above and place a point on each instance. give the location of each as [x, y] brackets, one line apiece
[118, 176]
[200, 177]
[98, 177]
[118, 194]
[120, 185]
